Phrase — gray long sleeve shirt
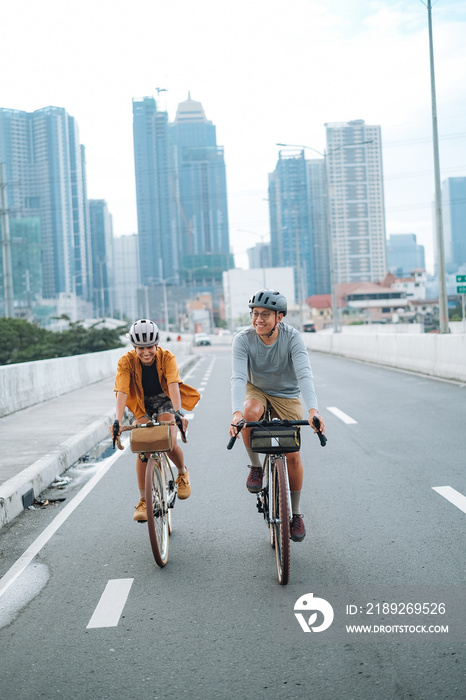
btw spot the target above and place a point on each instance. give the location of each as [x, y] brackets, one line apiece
[281, 369]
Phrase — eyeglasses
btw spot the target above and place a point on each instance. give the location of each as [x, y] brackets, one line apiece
[264, 315]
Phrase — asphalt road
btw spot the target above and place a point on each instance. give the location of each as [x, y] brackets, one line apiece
[214, 623]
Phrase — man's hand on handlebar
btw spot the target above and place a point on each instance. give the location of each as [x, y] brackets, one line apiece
[236, 421]
[318, 427]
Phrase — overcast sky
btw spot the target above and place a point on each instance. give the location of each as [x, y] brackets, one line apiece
[266, 71]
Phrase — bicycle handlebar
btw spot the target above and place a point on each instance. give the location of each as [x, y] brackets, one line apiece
[270, 423]
[116, 430]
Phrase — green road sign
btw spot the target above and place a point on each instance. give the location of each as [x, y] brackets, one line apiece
[461, 278]
[461, 290]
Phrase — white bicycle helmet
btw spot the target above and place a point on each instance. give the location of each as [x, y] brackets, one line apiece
[144, 333]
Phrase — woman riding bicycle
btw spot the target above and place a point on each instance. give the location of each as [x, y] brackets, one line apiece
[148, 382]
[271, 364]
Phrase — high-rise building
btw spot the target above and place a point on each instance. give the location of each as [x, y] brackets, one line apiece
[259, 256]
[298, 221]
[102, 257]
[354, 159]
[26, 252]
[201, 194]
[156, 193]
[127, 277]
[454, 222]
[404, 254]
[46, 180]
[318, 212]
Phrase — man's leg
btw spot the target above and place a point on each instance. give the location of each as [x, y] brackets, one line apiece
[252, 411]
[295, 476]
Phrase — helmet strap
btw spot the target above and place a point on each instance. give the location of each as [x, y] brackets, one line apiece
[269, 335]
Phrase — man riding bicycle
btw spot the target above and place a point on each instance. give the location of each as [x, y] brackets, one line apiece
[148, 382]
[271, 365]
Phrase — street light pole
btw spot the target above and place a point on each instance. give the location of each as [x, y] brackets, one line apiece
[6, 247]
[443, 304]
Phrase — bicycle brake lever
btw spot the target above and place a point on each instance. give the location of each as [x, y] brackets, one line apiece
[233, 439]
[320, 434]
[179, 423]
[116, 430]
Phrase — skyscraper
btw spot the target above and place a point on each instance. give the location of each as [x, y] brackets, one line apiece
[102, 257]
[354, 158]
[454, 222]
[156, 194]
[126, 272]
[404, 254]
[201, 194]
[318, 212]
[46, 177]
[298, 221]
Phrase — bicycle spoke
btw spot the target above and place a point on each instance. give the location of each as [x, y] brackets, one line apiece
[157, 516]
[281, 520]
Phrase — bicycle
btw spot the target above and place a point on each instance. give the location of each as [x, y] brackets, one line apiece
[160, 485]
[275, 438]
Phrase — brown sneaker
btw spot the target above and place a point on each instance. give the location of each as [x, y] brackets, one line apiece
[254, 480]
[297, 530]
[140, 514]
[184, 485]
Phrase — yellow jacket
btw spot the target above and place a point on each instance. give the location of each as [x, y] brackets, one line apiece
[128, 380]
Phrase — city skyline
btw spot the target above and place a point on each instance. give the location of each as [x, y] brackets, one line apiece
[317, 62]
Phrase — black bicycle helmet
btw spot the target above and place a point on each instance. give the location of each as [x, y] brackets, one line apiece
[144, 333]
[269, 299]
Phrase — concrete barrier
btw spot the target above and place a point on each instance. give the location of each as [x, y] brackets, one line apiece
[433, 354]
[29, 383]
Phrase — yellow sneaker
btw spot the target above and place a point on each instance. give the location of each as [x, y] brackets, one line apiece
[184, 485]
[140, 514]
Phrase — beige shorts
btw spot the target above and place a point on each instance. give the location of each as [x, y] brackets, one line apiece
[291, 409]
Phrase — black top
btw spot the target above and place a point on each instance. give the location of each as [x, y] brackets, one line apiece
[150, 380]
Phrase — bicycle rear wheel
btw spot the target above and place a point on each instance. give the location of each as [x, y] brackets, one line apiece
[157, 516]
[281, 520]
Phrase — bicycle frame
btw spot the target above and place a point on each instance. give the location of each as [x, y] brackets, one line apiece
[275, 497]
[160, 492]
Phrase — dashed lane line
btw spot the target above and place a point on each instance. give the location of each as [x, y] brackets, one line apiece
[452, 495]
[341, 415]
[111, 603]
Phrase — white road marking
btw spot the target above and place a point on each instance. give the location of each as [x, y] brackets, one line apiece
[111, 603]
[342, 416]
[452, 495]
[21, 563]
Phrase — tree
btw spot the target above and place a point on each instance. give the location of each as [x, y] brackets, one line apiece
[21, 341]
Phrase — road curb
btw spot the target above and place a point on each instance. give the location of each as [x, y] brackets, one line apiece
[41, 473]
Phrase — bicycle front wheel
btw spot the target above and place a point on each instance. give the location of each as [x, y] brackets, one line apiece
[281, 520]
[157, 516]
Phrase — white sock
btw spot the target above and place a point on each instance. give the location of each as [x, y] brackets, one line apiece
[295, 498]
[142, 493]
[254, 458]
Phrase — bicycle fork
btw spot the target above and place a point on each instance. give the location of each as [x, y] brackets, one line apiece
[264, 502]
